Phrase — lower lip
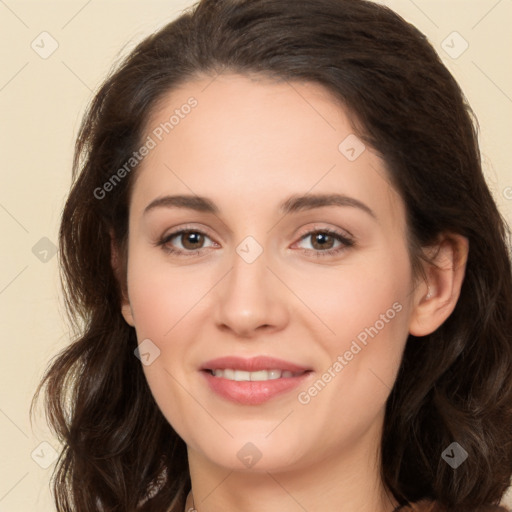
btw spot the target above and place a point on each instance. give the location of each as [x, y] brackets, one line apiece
[253, 392]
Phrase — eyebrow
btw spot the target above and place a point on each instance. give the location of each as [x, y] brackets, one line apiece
[293, 204]
[198, 203]
[310, 201]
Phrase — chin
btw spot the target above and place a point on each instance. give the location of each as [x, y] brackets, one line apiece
[256, 456]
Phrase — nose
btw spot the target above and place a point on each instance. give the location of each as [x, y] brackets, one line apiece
[250, 299]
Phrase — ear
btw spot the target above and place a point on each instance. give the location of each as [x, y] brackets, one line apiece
[115, 261]
[436, 297]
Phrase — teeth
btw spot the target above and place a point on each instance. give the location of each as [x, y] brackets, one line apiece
[260, 375]
[230, 374]
[241, 375]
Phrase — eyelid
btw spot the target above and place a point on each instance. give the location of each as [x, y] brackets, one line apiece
[186, 227]
[320, 226]
[309, 229]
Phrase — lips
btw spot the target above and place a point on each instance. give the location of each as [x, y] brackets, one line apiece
[253, 364]
[242, 375]
[253, 381]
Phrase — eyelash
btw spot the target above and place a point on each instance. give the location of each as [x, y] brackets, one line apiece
[346, 241]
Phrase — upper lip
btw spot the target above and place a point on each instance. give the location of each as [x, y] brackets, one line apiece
[252, 364]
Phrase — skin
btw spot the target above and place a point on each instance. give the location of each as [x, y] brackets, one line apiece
[248, 146]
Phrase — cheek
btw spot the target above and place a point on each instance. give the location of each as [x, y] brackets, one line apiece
[365, 307]
[369, 293]
[160, 313]
[165, 301]
[162, 296]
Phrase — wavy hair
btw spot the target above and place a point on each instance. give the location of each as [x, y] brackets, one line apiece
[454, 385]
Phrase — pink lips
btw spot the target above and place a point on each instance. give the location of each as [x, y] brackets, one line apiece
[252, 364]
[253, 392]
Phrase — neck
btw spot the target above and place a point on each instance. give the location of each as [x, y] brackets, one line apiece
[347, 481]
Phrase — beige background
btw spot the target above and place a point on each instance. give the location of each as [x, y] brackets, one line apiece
[42, 101]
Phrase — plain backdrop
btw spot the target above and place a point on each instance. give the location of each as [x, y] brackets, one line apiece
[54, 55]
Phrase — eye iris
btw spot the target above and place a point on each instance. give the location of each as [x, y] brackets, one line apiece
[324, 240]
[192, 240]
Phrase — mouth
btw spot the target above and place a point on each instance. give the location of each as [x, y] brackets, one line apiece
[253, 381]
[257, 376]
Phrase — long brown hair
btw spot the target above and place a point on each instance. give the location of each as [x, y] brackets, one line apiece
[455, 385]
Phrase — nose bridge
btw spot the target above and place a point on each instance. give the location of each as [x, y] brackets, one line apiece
[249, 297]
[248, 261]
[247, 290]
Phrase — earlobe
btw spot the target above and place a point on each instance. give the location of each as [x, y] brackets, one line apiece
[436, 297]
[115, 261]
[127, 313]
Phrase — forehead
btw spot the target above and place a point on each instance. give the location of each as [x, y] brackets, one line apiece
[247, 139]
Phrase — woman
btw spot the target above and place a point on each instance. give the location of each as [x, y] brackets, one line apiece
[289, 280]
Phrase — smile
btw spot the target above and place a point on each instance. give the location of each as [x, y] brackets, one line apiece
[261, 375]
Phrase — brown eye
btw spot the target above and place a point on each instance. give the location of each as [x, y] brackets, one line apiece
[191, 239]
[322, 241]
[186, 242]
[325, 242]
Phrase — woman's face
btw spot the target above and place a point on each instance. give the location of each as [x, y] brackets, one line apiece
[296, 250]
